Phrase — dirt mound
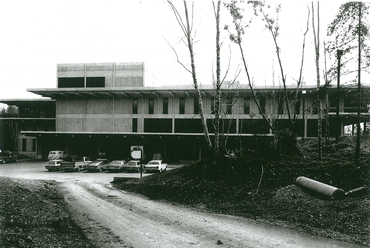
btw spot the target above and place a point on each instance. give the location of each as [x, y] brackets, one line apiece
[32, 214]
[255, 185]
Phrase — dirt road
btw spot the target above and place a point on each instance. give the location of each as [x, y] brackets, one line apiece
[115, 218]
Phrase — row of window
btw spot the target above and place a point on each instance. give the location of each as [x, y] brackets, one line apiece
[229, 104]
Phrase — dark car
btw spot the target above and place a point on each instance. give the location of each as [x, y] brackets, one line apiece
[7, 157]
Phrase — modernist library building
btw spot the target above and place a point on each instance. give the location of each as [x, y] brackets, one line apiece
[106, 108]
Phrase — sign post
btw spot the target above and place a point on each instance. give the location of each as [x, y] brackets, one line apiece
[137, 153]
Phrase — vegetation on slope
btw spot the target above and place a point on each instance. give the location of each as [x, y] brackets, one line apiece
[262, 187]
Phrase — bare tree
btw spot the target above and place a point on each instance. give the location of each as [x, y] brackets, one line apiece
[236, 13]
[187, 30]
[317, 60]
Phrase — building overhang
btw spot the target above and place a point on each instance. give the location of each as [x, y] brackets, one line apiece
[126, 134]
[132, 92]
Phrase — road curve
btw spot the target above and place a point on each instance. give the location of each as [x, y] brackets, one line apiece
[114, 218]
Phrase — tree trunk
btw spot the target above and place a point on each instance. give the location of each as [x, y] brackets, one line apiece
[218, 84]
[195, 82]
[317, 52]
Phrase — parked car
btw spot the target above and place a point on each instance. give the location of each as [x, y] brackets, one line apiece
[7, 157]
[53, 165]
[77, 164]
[97, 165]
[116, 165]
[132, 165]
[155, 166]
[57, 155]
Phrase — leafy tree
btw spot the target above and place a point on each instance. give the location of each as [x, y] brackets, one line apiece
[350, 31]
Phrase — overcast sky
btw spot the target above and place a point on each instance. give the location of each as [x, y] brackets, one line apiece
[39, 34]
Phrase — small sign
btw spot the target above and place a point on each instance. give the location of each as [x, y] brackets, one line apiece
[136, 152]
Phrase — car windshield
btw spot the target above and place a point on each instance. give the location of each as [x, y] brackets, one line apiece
[51, 162]
[131, 163]
[155, 162]
[4, 154]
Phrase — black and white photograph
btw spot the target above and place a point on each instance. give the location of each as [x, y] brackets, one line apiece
[176, 123]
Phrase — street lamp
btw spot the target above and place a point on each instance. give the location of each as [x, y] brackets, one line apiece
[303, 110]
[339, 55]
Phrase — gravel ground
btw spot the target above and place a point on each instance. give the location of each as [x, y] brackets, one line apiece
[32, 214]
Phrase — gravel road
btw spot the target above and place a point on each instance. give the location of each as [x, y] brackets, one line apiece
[115, 218]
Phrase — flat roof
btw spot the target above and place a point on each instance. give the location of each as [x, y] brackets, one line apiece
[168, 91]
[28, 100]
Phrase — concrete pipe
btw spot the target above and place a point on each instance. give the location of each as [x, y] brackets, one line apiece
[321, 189]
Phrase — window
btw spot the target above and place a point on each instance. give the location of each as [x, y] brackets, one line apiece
[72, 82]
[263, 105]
[24, 144]
[182, 105]
[165, 105]
[246, 106]
[34, 145]
[213, 107]
[95, 82]
[134, 105]
[297, 106]
[229, 105]
[151, 106]
[134, 125]
[196, 105]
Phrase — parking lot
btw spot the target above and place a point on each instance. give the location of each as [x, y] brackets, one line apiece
[35, 169]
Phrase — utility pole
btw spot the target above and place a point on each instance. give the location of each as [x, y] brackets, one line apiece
[357, 153]
[338, 132]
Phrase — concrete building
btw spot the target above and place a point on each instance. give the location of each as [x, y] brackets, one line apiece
[105, 107]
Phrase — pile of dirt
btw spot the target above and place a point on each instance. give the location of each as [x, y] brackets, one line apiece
[33, 214]
[256, 184]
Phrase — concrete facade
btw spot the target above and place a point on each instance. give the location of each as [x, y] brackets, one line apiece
[106, 105]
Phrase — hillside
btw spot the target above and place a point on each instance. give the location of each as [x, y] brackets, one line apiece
[261, 187]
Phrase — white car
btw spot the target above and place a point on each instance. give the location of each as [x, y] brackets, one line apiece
[132, 165]
[57, 155]
[155, 166]
[53, 165]
[116, 165]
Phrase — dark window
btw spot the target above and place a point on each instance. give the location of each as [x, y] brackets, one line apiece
[297, 106]
[246, 106]
[315, 109]
[165, 105]
[188, 126]
[34, 145]
[24, 144]
[280, 105]
[151, 106]
[182, 105]
[134, 125]
[333, 102]
[196, 105]
[134, 105]
[152, 125]
[229, 105]
[213, 106]
[263, 105]
[95, 82]
[72, 82]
